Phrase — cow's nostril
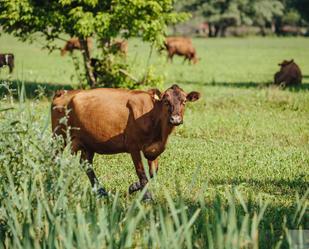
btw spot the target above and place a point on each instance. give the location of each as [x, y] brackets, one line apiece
[176, 120]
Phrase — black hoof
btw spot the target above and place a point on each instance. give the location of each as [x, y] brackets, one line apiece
[134, 187]
[102, 193]
[147, 197]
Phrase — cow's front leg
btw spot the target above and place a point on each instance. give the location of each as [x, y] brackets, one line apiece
[139, 168]
[153, 167]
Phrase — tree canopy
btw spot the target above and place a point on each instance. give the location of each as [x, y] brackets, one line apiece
[86, 18]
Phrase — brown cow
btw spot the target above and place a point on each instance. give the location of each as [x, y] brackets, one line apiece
[110, 121]
[289, 74]
[120, 46]
[7, 60]
[74, 44]
[181, 46]
[116, 46]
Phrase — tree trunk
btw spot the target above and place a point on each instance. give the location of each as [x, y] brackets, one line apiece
[217, 30]
[223, 31]
[87, 63]
[263, 32]
[211, 32]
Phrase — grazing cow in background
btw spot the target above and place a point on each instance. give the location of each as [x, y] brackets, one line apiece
[181, 46]
[7, 60]
[120, 46]
[289, 74]
[74, 44]
[110, 121]
[116, 46]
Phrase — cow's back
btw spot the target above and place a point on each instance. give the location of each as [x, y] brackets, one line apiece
[182, 48]
[182, 39]
[100, 118]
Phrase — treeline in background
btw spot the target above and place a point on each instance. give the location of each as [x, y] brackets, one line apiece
[220, 18]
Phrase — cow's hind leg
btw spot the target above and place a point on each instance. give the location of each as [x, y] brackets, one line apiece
[88, 156]
[95, 184]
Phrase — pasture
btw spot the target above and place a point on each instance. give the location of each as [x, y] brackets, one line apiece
[244, 145]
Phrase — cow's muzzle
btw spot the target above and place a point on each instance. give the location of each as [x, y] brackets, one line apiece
[176, 120]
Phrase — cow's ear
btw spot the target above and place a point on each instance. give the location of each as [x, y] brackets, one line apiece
[155, 93]
[193, 96]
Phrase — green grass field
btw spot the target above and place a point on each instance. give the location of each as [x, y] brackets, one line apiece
[243, 136]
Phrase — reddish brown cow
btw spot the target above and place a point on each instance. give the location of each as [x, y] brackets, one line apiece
[110, 121]
[116, 46]
[74, 44]
[181, 46]
[289, 74]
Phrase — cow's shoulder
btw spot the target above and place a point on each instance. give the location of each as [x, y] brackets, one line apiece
[139, 103]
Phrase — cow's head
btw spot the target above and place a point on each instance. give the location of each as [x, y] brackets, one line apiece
[195, 59]
[285, 63]
[173, 103]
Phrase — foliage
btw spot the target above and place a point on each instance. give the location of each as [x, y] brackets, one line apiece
[291, 18]
[221, 14]
[265, 11]
[105, 20]
[112, 70]
[301, 6]
[262, 13]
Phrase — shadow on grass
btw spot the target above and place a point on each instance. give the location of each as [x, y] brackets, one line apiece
[247, 85]
[276, 218]
[283, 186]
[32, 89]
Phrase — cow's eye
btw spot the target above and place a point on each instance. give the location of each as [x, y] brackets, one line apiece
[166, 102]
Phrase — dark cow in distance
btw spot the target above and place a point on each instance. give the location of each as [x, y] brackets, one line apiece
[110, 121]
[7, 60]
[181, 46]
[74, 44]
[289, 74]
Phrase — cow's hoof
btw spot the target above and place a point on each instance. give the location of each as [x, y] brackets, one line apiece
[147, 197]
[134, 187]
[102, 193]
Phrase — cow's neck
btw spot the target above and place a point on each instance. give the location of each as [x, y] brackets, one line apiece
[163, 130]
